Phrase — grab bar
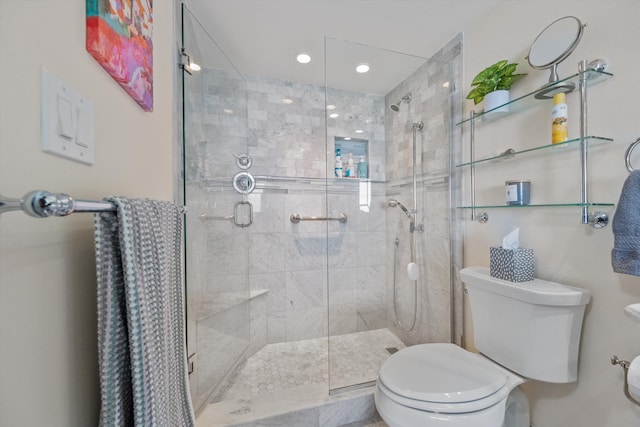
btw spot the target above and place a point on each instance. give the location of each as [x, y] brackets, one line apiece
[627, 154]
[296, 218]
[206, 217]
[43, 204]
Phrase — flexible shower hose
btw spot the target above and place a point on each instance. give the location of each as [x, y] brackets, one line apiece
[395, 285]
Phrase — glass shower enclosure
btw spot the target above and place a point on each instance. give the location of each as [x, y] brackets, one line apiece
[296, 272]
[216, 238]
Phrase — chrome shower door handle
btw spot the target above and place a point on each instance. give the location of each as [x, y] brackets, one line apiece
[243, 214]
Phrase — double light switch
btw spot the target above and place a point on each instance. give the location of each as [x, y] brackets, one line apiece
[67, 121]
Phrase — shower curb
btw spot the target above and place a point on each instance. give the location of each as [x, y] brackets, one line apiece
[333, 411]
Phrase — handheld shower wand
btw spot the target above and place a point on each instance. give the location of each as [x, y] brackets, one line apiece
[393, 203]
[412, 267]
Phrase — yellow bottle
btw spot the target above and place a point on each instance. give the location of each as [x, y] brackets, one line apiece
[559, 119]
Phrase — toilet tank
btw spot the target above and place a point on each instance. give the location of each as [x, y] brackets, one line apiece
[532, 328]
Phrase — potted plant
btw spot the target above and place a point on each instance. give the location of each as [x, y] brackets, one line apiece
[492, 85]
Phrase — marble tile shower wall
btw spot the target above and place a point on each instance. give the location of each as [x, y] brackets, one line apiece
[431, 104]
[282, 125]
[290, 260]
[358, 111]
[287, 140]
[286, 128]
[224, 118]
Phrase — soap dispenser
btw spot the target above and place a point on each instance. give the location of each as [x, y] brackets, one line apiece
[363, 168]
[351, 167]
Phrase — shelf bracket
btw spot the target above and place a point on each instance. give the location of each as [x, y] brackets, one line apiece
[482, 217]
[472, 157]
[594, 219]
[584, 182]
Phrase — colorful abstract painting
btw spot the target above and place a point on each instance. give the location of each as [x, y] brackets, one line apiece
[119, 38]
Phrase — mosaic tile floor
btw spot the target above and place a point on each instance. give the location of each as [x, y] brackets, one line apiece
[299, 365]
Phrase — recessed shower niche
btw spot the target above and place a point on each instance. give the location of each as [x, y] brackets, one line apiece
[358, 151]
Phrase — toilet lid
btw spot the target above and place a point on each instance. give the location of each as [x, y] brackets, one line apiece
[442, 373]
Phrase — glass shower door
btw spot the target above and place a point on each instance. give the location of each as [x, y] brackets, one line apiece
[357, 293]
[369, 126]
[217, 180]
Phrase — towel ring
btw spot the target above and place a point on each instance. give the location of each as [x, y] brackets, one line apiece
[627, 155]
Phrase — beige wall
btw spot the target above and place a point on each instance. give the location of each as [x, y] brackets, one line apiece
[566, 251]
[48, 359]
[48, 366]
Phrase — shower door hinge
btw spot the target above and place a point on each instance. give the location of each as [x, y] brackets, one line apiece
[184, 61]
[191, 363]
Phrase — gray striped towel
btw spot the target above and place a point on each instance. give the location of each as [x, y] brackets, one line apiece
[625, 255]
[141, 333]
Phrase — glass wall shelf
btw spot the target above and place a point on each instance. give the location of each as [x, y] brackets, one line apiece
[592, 141]
[541, 205]
[528, 99]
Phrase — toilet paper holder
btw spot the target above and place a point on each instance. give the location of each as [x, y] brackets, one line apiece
[624, 364]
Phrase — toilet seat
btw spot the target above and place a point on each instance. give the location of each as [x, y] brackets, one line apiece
[443, 378]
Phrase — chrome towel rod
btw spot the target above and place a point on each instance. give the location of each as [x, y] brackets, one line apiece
[296, 218]
[43, 204]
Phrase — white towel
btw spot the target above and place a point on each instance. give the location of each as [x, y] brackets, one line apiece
[142, 352]
[625, 255]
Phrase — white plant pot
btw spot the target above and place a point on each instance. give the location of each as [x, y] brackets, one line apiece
[496, 99]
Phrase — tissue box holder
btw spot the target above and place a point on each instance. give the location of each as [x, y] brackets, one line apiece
[515, 265]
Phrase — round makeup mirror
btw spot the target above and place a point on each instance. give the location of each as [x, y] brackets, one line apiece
[552, 46]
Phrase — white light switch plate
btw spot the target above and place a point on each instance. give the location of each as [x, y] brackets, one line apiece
[67, 121]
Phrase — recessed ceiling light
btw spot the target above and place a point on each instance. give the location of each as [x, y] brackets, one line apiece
[362, 68]
[334, 115]
[445, 84]
[331, 107]
[347, 138]
[228, 110]
[287, 101]
[303, 58]
[359, 131]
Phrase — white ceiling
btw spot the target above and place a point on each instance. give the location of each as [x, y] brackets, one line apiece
[262, 37]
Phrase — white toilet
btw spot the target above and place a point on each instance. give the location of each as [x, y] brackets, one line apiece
[528, 330]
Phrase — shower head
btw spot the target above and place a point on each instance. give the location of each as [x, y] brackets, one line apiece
[392, 203]
[396, 105]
